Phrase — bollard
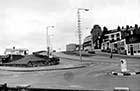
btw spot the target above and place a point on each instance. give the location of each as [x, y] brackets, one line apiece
[123, 65]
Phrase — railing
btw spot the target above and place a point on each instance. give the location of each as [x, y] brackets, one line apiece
[27, 87]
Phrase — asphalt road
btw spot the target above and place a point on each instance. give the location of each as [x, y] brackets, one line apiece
[95, 76]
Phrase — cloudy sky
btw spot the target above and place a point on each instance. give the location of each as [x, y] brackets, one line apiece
[23, 22]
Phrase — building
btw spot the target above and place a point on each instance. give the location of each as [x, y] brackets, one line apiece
[111, 40]
[14, 51]
[72, 47]
[87, 46]
[13, 54]
[133, 44]
[123, 41]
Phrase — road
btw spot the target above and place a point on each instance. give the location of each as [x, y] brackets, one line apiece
[94, 76]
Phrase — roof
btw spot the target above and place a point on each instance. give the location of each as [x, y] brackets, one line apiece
[11, 49]
[26, 59]
[124, 29]
[87, 39]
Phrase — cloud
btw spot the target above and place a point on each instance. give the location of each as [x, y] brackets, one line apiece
[23, 22]
[36, 5]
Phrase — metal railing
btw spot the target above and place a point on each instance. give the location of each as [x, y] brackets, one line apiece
[27, 87]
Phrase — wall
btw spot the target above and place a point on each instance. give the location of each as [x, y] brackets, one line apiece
[71, 47]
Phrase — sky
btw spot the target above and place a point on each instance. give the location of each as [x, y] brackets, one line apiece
[23, 23]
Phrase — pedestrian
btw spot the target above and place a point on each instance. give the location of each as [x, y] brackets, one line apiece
[111, 55]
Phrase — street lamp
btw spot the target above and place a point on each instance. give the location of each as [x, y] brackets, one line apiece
[79, 29]
[51, 42]
[47, 39]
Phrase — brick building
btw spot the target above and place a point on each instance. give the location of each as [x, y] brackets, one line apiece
[123, 41]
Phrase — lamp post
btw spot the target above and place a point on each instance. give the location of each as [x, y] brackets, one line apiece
[47, 39]
[79, 29]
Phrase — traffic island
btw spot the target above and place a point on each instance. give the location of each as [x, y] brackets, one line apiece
[124, 71]
[44, 68]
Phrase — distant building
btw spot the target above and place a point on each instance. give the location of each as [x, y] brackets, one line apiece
[72, 47]
[87, 46]
[14, 51]
[125, 41]
[13, 54]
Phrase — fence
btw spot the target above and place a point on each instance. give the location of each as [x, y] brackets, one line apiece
[27, 87]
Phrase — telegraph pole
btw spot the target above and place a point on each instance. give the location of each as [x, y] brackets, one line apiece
[79, 30]
[47, 39]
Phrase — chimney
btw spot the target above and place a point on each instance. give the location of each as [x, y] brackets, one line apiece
[13, 47]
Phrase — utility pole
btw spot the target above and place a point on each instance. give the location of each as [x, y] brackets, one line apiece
[47, 39]
[79, 30]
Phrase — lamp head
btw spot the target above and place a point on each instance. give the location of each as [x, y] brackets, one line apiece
[83, 9]
[86, 9]
[52, 26]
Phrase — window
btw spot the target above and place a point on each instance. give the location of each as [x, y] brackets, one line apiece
[115, 45]
[103, 46]
[113, 40]
[131, 32]
[118, 38]
[117, 34]
[112, 36]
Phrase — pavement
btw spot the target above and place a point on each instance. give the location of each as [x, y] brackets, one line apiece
[105, 57]
[98, 52]
[91, 77]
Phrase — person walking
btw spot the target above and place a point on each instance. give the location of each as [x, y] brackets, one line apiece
[111, 54]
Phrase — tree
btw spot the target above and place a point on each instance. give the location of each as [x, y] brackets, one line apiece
[96, 28]
[105, 30]
[136, 26]
[136, 30]
[127, 27]
[139, 30]
[96, 33]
